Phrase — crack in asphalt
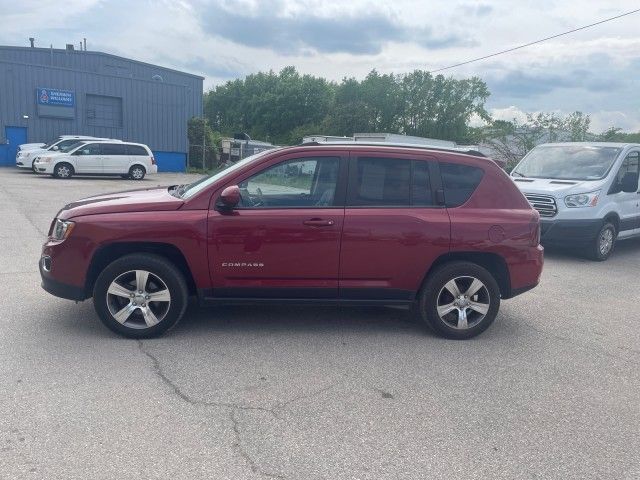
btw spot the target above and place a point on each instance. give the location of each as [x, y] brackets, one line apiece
[233, 409]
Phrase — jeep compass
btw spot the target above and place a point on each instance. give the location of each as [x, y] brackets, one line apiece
[445, 233]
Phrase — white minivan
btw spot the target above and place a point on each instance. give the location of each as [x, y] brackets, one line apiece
[128, 160]
[587, 193]
[26, 156]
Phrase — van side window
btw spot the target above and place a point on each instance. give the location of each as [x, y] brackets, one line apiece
[459, 182]
[114, 149]
[137, 150]
[630, 165]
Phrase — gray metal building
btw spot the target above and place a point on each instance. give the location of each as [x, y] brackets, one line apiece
[47, 92]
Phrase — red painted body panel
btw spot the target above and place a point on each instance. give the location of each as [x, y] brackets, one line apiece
[390, 247]
[382, 248]
[289, 253]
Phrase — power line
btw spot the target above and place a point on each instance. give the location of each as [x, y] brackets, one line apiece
[535, 42]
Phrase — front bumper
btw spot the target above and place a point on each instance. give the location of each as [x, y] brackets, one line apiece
[39, 167]
[569, 232]
[56, 288]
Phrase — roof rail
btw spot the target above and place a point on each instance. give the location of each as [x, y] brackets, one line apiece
[466, 151]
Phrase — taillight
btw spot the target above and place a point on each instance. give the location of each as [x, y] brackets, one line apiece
[534, 233]
[153, 161]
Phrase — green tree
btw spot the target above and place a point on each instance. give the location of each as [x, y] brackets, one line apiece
[269, 106]
[614, 134]
[202, 137]
[282, 107]
[511, 140]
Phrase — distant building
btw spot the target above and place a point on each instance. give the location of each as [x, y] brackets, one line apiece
[47, 92]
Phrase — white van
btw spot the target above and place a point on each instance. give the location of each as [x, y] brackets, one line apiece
[587, 193]
[25, 157]
[128, 160]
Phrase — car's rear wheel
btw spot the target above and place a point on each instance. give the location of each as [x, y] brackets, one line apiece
[63, 170]
[602, 246]
[137, 172]
[140, 295]
[459, 300]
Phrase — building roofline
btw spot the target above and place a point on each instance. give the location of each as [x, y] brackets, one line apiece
[104, 54]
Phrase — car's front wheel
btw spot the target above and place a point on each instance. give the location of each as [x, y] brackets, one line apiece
[601, 248]
[459, 300]
[140, 295]
[63, 170]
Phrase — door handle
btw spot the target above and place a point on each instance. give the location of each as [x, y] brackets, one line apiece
[318, 222]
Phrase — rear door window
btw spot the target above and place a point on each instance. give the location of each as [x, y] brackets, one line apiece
[459, 182]
[390, 182]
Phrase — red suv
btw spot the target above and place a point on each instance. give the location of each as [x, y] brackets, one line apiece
[444, 232]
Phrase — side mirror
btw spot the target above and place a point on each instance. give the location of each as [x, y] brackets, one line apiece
[54, 148]
[629, 183]
[229, 198]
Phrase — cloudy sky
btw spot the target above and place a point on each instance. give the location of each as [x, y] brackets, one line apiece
[595, 71]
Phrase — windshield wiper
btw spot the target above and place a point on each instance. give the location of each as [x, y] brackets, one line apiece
[519, 174]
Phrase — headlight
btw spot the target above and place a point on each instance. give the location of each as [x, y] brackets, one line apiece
[43, 159]
[582, 199]
[61, 229]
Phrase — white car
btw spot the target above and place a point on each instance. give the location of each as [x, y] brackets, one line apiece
[25, 157]
[29, 146]
[587, 193]
[128, 160]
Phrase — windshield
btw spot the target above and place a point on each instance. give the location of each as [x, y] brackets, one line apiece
[195, 187]
[70, 146]
[568, 162]
[51, 143]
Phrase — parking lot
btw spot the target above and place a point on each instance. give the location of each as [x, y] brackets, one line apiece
[551, 390]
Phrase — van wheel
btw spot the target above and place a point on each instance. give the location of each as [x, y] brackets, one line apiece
[63, 170]
[602, 246]
[459, 300]
[136, 172]
[140, 295]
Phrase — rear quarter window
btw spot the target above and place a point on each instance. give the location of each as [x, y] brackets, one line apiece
[137, 150]
[459, 182]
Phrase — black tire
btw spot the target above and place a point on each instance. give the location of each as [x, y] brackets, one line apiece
[434, 293]
[162, 275]
[137, 172]
[63, 170]
[601, 247]
[33, 167]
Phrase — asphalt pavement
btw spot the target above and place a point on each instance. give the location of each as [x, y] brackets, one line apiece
[551, 390]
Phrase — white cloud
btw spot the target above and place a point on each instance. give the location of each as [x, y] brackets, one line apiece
[596, 70]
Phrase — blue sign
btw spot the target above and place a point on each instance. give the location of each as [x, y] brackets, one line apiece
[55, 97]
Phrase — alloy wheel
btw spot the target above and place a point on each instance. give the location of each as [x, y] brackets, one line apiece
[138, 299]
[605, 241]
[463, 302]
[63, 171]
